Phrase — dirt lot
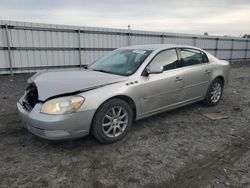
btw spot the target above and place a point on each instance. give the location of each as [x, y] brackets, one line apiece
[180, 148]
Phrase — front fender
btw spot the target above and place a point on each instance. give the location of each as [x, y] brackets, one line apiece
[95, 98]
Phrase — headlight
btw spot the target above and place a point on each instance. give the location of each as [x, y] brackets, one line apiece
[62, 105]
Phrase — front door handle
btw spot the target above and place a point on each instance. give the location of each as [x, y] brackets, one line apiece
[207, 72]
[177, 79]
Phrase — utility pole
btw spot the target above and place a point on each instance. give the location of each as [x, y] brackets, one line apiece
[129, 35]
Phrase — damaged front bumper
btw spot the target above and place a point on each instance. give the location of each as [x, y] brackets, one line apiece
[55, 127]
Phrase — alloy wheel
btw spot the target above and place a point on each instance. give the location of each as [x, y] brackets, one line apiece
[115, 121]
[216, 92]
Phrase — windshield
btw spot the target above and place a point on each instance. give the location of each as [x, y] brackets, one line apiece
[122, 62]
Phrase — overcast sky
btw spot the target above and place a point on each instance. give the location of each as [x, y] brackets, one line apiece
[217, 17]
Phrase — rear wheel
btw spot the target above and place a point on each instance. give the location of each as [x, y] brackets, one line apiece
[112, 121]
[214, 92]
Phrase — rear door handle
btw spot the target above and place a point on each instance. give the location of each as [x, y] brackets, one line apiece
[177, 79]
[207, 72]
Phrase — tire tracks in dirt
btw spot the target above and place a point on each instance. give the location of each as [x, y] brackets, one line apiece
[203, 173]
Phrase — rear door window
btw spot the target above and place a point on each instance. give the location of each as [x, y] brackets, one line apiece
[192, 57]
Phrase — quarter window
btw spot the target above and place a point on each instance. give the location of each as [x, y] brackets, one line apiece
[192, 57]
[167, 59]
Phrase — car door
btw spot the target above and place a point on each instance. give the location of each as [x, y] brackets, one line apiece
[196, 73]
[158, 91]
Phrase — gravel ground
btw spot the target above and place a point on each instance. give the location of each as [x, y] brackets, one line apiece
[180, 148]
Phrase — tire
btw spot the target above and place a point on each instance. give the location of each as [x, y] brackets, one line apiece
[112, 121]
[214, 92]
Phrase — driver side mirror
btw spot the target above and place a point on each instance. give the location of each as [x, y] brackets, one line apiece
[154, 69]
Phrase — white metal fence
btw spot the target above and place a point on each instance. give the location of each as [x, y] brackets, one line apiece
[30, 47]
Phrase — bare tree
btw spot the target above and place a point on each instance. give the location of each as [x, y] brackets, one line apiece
[247, 36]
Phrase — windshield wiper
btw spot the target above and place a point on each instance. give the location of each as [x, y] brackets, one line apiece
[85, 66]
[100, 70]
[109, 72]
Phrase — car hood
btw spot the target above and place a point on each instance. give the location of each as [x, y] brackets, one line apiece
[51, 84]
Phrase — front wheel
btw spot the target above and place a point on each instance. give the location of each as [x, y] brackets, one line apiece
[214, 92]
[112, 121]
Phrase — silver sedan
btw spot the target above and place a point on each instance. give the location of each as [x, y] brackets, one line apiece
[128, 84]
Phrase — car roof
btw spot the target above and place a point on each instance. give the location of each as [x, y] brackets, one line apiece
[158, 46]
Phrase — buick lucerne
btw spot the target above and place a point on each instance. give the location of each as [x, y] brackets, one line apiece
[127, 84]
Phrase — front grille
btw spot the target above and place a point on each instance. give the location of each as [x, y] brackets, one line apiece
[31, 97]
